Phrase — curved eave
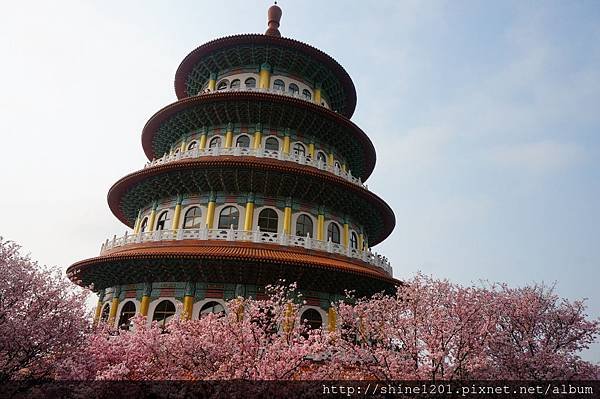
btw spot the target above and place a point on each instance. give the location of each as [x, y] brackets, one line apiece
[251, 174]
[277, 111]
[304, 50]
[229, 262]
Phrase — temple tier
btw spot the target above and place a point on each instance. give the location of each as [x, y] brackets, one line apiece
[255, 175]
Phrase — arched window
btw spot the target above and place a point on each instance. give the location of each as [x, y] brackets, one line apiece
[333, 233]
[192, 145]
[127, 312]
[312, 318]
[176, 151]
[272, 144]
[163, 312]
[105, 312]
[228, 217]
[304, 226]
[215, 142]
[243, 141]
[235, 84]
[353, 241]
[223, 84]
[279, 85]
[162, 220]
[306, 94]
[299, 149]
[337, 165]
[211, 307]
[321, 157]
[293, 89]
[192, 218]
[250, 83]
[268, 220]
[144, 225]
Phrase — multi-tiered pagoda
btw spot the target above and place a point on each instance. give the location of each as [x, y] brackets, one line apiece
[255, 175]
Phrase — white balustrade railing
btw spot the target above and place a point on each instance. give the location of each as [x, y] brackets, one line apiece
[270, 90]
[261, 153]
[249, 236]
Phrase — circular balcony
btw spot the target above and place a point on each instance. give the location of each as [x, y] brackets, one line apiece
[256, 236]
[284, 54]
[269, 90]
[259, 153]
[257, 108]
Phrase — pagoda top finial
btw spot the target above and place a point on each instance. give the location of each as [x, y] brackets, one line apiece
[273, 18]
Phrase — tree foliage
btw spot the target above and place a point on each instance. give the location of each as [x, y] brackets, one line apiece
[42, 316]
[431, 329]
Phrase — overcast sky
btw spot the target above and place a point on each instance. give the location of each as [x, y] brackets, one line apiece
[485, 116]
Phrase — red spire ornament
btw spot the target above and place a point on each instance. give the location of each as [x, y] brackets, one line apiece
[273, 18]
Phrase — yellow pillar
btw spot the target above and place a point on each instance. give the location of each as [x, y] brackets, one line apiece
[239, 312]
[98, 313]
[238, 307]
[361, 238]
[210, 213]
[212, 81]
[321, 226]
[144, 305]
[286, 141]
[188, 305]
[317, 95]
[152, 217]
[229, 136]
[332, 319]
[264, 80]
[249, 213]
[138, 220]
[113, 310]
[311, 150]
[257, 136]
[182, 148]
[257, 139]
[330, 159]
[202, 144]
[288, 322]
[145, 299]
[346, 235]
[344, 167]
[287, 220]
[286, 144]
[177, 213]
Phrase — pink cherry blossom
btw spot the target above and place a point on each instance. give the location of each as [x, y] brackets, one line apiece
[42, 316]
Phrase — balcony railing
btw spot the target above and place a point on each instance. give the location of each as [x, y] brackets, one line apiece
[261, 153]
[256, 236]
[270, 90]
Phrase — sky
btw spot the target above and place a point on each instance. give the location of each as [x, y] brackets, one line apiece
[485, 117]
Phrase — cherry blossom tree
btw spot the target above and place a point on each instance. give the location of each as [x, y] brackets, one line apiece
[431, 329]
[538, 335]
[42, 316]
[254, 340]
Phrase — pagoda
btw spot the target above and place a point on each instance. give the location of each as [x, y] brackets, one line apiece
[256, 175]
